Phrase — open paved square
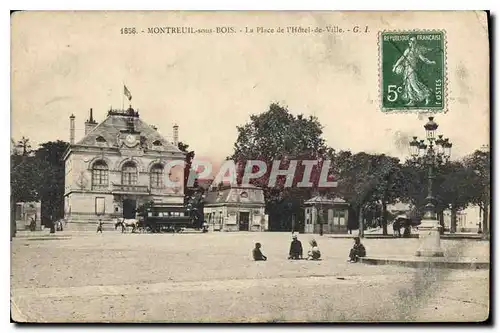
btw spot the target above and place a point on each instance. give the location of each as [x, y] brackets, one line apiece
[194, 277]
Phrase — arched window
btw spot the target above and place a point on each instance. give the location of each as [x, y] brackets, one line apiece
[100, 175]
[129, 174]
[156, 176]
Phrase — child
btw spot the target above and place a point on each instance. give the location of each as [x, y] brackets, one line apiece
[295, 252]
[314, 254]
[257, 254]
[99, 226]
[358, 250]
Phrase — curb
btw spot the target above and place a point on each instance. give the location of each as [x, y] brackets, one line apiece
[432, 263]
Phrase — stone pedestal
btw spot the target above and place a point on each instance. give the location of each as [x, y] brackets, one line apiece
[430, 239]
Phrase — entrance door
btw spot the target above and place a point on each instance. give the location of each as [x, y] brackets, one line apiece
[244, 221]
[129, 206]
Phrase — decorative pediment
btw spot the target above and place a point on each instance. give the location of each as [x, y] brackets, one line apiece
[138, 163]
[99, 158]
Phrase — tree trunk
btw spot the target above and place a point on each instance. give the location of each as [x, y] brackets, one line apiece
[441, 221]
[361, 223]
[485, 218]
[13, 225]
[453, 224]
[384, 218]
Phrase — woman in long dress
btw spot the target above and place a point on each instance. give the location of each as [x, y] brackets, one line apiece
[414, 91]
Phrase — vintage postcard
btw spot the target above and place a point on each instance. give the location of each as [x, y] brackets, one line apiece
[250, 167]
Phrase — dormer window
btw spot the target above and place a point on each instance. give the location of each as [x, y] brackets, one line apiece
[157, 143]
[100, 139]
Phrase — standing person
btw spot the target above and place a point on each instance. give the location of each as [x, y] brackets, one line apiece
[257, 254]
[99, 226]
[358, 250]
[295, 249]
[314, 253]
[396, 227]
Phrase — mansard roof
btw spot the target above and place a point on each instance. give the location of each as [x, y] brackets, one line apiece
[324, 201]
[117, 122]
[251, 195]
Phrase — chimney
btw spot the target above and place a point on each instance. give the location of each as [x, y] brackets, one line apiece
[72, 129]
[90, 123]
[176, 135]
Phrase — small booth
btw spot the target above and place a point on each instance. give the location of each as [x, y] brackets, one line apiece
[331, 212]
[236, 208]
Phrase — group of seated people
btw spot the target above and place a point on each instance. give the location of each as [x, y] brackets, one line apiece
[296, 251]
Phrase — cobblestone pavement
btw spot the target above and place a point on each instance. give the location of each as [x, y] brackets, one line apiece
[114, 277]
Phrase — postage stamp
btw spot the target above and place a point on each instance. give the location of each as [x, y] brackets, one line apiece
[413, 70]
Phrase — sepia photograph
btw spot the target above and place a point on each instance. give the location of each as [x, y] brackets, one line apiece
[250, 167]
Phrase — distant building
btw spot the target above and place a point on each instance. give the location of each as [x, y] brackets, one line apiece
[467, 220]
[399, 208]
[332, 213]
[118, 165]
[27, 212]
[236, 208]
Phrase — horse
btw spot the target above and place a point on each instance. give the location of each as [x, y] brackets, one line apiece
[125, 223]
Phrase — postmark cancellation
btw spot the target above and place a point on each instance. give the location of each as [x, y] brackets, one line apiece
[412, 71]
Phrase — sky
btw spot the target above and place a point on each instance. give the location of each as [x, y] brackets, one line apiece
[67, 62]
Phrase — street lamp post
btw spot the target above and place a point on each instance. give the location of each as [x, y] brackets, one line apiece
[437, 151]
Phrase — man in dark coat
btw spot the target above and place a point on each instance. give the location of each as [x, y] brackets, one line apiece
[295, 249]
[358, 250]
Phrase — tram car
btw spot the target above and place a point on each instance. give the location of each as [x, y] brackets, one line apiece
[159, 218]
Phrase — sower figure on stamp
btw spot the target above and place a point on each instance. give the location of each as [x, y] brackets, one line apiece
[414, 91]
[295, 249]
[257, 254]
[358, 250]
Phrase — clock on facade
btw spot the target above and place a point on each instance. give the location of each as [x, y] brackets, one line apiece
[130, 140]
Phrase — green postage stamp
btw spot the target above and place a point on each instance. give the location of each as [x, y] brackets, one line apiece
[413, 70]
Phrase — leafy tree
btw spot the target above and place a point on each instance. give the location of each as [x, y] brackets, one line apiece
[195, 191]
[24, 177]
[479, 163]
[455, 189]
[278, 135]
[50, 161]
[368, 181]
[456, 184]
[24, 145]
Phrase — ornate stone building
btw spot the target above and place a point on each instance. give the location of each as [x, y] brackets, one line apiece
[118, 165]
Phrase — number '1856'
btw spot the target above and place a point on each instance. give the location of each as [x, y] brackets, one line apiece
[128, 31]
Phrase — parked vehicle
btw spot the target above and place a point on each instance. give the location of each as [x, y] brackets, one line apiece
[167, 218]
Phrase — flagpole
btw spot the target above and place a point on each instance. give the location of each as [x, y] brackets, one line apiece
[123, 96]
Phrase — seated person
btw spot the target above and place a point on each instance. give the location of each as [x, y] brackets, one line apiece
[358, 250]
[257, 254]
[295, 249]
[314, 254]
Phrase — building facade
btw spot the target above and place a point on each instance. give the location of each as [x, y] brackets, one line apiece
[468, 220]
[119, 164]
[27, 212]
[332, 213]
[236, 208]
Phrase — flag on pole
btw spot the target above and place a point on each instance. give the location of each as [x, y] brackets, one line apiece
[127, 92]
